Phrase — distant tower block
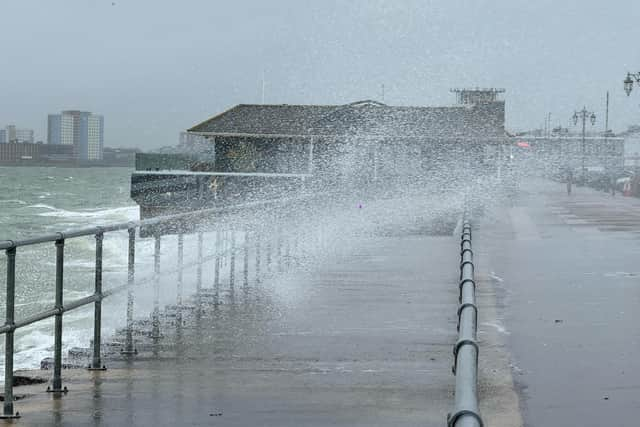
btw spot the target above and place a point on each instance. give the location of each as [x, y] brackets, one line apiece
[477, 95]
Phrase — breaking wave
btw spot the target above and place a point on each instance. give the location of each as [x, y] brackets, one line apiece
[124, 213]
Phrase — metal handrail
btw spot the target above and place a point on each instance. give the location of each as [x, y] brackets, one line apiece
[10, 248]
[90, 231]
[465, 351]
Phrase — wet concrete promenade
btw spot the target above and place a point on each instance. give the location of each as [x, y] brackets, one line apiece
[363, 340]
[567, 275]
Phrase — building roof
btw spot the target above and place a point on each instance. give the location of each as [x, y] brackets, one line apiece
[367, 118]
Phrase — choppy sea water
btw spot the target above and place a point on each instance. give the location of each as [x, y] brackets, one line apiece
[36, 200]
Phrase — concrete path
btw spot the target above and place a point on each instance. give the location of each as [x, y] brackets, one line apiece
[567, 275]
[365, 340]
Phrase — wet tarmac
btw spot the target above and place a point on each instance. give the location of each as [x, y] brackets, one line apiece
[567, 277]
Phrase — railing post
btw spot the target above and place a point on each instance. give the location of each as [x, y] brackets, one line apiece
[216, 272]
[225, 243]
[268, 249]
[296, 244]
[57, 347]
[199, 281]
[180, 279]
[131, 266]
[258, 256]
[232, 260]
[279, 248]
[155, 317]
[245, 269]
[155, 332]
[199, 268]
[287, 251]
[7, 411]
[96, 362]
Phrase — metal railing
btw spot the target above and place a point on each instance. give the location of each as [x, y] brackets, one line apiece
[180, 224]
[465, 350]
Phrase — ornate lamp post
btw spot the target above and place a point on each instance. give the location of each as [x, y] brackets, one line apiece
[584, 115]
[628, 82]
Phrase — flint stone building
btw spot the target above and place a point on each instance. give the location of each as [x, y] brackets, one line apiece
[259, 151]
[365, 139]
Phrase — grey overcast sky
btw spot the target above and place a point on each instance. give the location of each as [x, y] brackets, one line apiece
[156, 67]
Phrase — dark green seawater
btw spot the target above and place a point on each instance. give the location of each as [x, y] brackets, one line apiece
[43, 199]
[36, 200]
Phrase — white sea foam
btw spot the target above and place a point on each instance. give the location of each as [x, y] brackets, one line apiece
[42, 206]
[126, 213]
[35, 344]
[78, 263]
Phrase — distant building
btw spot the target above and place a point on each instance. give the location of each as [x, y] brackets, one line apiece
[274, 148]
[125, 157]
[188, 139]
[12, 134]
[194, 143]
[54, 129]
[26, 153]
[15, 135]
[19, 153]
[367, 134]
[24, 135]
[563, 149]
[52, 154]
[632, 145]
[82, 129]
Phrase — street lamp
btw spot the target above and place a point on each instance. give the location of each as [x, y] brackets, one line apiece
[628, 82]
[584, 114]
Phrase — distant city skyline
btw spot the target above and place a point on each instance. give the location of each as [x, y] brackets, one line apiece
[157, 68]
[82, 129]
[12, 133]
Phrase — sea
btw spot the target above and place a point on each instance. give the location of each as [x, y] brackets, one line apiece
[37, 200]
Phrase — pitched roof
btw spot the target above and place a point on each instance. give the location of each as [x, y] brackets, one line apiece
[359, 118]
